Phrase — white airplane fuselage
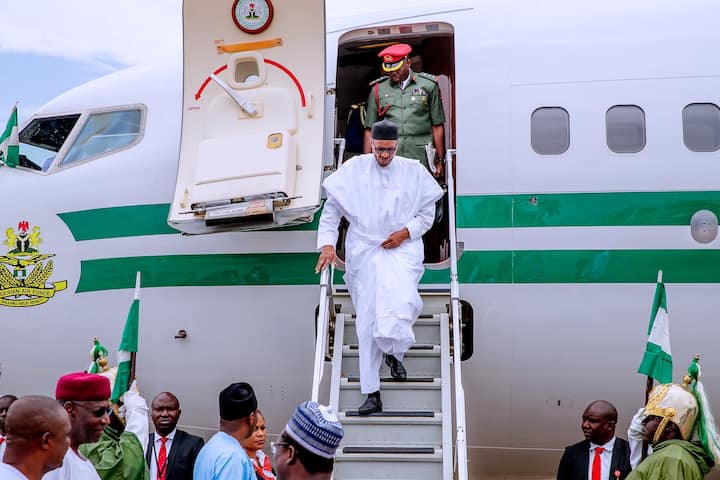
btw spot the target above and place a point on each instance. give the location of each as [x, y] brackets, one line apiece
[561, 251]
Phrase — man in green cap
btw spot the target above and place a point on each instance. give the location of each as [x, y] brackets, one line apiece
[412, 101]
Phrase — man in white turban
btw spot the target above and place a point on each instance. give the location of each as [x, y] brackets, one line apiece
[389, 202]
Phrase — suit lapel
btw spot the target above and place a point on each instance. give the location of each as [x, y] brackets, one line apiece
[584, 461]
[174, 449]
[149, 454]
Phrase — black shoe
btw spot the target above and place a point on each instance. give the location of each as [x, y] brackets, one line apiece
[397, 369]
[373, 404]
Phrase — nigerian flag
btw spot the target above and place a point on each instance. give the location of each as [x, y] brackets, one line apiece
[9, 144]
[657, 362]
[128, 345]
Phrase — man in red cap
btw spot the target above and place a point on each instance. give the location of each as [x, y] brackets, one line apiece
[101, 447]
[86, 399]
[412, 101]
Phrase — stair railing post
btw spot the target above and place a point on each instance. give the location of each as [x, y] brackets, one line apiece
[322, 328]
[460, 438]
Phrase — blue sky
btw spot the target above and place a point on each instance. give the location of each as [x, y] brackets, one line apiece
[50, 46]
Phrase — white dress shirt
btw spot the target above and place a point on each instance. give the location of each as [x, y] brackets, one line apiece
[8, 472]
[605, 459]
[155, 453]
[74, 467]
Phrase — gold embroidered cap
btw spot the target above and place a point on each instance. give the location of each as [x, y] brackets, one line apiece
[673, 403]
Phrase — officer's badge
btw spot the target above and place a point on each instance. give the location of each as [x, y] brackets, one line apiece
[418, 91]
[388, 59]
[18, 288]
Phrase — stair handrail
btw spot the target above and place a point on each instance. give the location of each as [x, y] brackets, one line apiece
[324, 312]
[460, 434]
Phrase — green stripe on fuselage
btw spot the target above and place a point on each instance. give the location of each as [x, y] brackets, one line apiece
[482, 267]
[625, 209]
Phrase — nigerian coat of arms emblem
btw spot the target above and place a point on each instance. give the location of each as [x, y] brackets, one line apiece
[24, 270]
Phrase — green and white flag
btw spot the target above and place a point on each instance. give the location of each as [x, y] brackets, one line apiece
[9, 144]
[128, 345]
[657, 362]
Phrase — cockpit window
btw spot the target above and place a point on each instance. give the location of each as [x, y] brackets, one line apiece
[43, 138]
[105, 132]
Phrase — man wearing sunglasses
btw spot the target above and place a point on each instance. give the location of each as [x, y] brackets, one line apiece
[389, 202]
[412, 101]
[101, 446]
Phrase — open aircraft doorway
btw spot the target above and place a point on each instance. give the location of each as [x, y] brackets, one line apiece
[358, 65]
[253, 114]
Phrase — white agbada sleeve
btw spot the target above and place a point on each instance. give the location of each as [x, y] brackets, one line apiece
[422, 222]
[329, 222]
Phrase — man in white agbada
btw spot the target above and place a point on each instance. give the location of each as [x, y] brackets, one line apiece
[389, 202]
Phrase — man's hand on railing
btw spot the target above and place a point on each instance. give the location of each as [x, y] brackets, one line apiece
[327, 257]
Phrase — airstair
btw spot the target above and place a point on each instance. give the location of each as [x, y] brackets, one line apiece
[420, 434]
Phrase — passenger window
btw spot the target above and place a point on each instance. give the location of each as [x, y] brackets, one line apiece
[701, 127]
[104, 133]
[550, 130]
[625, 128]
[42, 139]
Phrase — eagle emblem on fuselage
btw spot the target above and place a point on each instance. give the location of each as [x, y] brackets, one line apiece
[24, 270]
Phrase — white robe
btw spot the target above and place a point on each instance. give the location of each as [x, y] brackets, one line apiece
[74, 467]
[378, 201]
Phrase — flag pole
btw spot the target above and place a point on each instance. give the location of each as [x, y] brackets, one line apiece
[133, 355]
[649, 385]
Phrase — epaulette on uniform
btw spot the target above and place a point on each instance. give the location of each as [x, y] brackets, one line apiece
[378, 80]
[429, 76]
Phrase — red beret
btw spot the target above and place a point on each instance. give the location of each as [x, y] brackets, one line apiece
[395, 53]
[83, 386]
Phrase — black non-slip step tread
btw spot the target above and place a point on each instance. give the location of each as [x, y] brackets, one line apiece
[356, 379]
[392, 414]
[354, 346]
[391, 450]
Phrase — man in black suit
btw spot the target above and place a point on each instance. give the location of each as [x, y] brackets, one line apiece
[602, 455]
[171, 452]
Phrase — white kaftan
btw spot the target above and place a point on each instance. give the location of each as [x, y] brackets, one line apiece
[74, 467]
[378, 201]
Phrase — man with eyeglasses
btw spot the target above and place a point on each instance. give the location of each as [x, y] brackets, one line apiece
[307, 445]
[101, 447]
[412, 101]
[389, 202]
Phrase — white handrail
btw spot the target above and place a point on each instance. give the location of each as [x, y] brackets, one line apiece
[460, 439]
[322, 329]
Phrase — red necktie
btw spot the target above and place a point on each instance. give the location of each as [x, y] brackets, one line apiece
[162, 460]
[2, 439]
[596, 464]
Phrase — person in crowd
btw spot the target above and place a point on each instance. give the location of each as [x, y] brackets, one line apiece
[223, 457]
[307, 445]
[38, 436]
[5, 402]
[602, 455]
[171, 452]
[254, 445]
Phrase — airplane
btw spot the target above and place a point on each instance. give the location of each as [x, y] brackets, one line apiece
[587, 140]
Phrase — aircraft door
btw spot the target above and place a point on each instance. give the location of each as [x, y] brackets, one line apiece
[251, 149]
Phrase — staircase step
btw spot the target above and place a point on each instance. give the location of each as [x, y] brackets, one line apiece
[396, 413]
[381, 430]
[417, 363]
[416, 466]
[427, 331]
[425, 347]
[395, 395]
[356, 379]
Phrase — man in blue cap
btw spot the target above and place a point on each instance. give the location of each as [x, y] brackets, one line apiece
[412, 101]
[307, 445]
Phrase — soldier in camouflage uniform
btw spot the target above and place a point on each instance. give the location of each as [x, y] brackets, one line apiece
[411, 100]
